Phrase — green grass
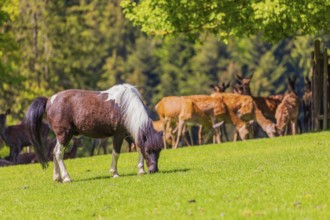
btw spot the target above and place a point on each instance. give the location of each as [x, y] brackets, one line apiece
[280, 178]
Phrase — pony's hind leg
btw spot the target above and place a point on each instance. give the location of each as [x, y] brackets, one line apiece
[117, 142]
[59, 167]
[56, 174]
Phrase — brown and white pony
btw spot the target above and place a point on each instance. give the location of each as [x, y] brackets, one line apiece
[117, 112]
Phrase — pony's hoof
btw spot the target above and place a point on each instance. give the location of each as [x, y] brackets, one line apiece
[66, 179]
[141, 172]
[57, 178]
[115, 175]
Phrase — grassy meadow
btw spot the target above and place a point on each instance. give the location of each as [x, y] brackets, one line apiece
[279, 178]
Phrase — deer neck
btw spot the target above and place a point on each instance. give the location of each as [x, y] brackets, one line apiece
[247, 90]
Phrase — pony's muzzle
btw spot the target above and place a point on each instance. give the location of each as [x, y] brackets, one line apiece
[153, 171]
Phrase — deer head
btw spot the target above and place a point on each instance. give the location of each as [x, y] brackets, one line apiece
[308, 85]
[237, 89]
[3, 118]
[245, 83]
[220, 88]
[215, 88]
[291, 84]
[224, 86]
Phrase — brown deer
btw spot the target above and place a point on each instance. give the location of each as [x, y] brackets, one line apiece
[30, 157]
[202, 110]
[307, 104]
[244, 107]
[4, 163]
[27, 158]
[267, 105]
[15, 136]
[287, 111]
[221, 87]
[168, 110]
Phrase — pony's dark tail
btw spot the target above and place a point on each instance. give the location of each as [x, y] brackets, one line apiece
[33, 122]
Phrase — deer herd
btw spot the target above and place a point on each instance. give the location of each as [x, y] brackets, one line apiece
[246, 115]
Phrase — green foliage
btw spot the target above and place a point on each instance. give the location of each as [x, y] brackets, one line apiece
[278, 178]
[48, 46]
[275, 19]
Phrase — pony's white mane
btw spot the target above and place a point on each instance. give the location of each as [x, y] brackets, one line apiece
[134, 112]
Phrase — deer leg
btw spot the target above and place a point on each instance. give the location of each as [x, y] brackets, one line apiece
[60, 172]
[191, 136]
[293, 127]
[140, 163]
[224, 131]
[216, 129]
[184, 132]
[235, 136]
[180, 127]
[200, 134]
[117, 142]
[166, 125]
[243, 132]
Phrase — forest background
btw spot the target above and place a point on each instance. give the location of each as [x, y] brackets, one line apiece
[49, 46]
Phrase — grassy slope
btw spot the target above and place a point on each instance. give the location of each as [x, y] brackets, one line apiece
[280, 178]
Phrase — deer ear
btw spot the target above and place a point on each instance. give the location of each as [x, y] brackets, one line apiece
[227, 85]
[238, 77]
[213, 87]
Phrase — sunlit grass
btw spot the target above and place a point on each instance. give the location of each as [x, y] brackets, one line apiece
[280, 178]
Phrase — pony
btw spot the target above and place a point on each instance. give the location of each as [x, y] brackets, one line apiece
[15, 136]
[117, 112]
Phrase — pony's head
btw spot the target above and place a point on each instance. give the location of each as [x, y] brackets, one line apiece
[151, 143]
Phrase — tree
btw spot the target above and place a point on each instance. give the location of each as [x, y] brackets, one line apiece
[277, 19]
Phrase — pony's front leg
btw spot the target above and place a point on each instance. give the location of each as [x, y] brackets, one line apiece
[59, 167]
[117, 142]
[113, 168]
[140, 163]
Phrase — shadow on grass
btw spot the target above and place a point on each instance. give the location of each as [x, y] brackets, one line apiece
[128, 175]
[175, 171]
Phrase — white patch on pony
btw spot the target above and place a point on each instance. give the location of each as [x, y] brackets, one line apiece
[134, 112]
[52, 99]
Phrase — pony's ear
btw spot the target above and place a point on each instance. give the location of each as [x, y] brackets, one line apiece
[7, 111]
